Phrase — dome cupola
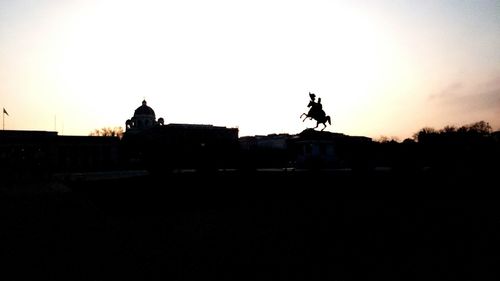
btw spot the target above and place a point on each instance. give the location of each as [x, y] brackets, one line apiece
[144, 109]
[144, 118]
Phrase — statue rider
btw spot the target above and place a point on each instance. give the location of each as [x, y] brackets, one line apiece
[316, 110]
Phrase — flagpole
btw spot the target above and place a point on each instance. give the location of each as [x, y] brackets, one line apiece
[3, 118]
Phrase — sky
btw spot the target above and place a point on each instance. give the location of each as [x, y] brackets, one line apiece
[381, 68]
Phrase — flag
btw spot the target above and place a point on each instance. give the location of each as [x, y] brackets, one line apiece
[5, 111]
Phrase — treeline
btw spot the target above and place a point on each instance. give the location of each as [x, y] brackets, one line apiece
[475, 132]
[472, 147]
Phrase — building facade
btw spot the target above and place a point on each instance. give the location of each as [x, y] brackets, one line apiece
[35, 155]
[151, 144]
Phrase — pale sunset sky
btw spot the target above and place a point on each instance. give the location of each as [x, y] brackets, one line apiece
[380, 67]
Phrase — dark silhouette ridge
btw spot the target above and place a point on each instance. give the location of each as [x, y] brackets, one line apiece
[195, 202]
[151, 146]
[316, 112]
[165, 149]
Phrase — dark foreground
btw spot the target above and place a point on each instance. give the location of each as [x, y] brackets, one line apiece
[310, 226]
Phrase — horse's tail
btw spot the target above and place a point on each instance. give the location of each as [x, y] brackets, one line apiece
[328, 119]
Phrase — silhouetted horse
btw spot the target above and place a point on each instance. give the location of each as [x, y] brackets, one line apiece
[317, 113]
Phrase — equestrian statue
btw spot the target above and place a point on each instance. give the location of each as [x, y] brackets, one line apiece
[316, 112]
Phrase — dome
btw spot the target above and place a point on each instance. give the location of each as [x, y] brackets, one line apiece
[144, 109]
[144, 118]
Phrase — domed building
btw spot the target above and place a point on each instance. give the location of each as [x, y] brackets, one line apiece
[151, 144]
[144, 118]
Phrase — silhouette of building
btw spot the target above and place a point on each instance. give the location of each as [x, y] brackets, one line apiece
[150, 144]
[87, 153]
[314, 149]
[29, 155]
[309, 149]
[270, 151]
[272, 141]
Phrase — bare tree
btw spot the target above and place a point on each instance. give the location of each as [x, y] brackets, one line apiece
[481, 128]
[386, 139]
[108, 132]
